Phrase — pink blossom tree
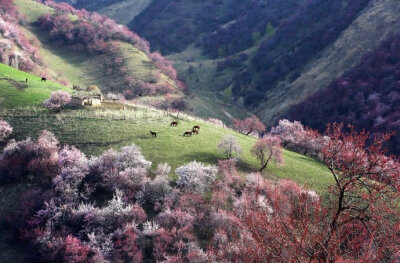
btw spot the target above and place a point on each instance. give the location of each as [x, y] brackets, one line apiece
[289, 132]
[57, 100]
[266, 149]
[249, 125]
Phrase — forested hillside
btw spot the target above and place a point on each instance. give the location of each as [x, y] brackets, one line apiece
[368, 96]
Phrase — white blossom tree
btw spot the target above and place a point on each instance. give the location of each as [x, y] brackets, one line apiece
[230, 146]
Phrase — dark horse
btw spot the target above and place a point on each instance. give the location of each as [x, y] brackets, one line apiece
[174, 123]
[196, 127]
[188, 133]
[154, 134]
[44, 79]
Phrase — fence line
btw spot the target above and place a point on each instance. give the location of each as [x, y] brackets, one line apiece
[130, 111]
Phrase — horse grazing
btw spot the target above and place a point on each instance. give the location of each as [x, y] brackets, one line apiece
[195, 131]
[196, 127]
[44, 79]
[188, 133]
[174, 124]
[154, 134]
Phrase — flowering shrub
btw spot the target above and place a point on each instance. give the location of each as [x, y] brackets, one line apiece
[5, 130]
[196, 177]
[27, 58]
[24, 158]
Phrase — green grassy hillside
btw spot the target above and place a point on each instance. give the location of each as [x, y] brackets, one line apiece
[82, 69]
[15, 91]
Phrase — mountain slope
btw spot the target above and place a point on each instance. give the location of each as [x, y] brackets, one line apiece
[367, 96]
[375, 24]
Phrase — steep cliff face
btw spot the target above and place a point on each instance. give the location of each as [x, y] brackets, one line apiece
[378, 21]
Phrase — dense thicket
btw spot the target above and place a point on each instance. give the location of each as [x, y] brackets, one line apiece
[368, 96]
[297, 41]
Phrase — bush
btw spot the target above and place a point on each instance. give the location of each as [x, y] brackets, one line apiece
[25, 158]
[196, 177]
[5, 130]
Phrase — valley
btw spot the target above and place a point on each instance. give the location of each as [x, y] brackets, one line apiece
[199, 131]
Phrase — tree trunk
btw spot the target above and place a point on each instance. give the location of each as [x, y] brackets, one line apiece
[264, 165]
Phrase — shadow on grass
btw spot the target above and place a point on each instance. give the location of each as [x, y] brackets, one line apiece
[246, 167]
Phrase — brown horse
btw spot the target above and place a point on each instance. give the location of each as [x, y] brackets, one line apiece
[196, 127]
[174, 123]
[188, 133]
[154, 134]
[195, 131]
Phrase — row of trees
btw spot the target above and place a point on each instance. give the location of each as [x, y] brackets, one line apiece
[108, 208]
[291, 134]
